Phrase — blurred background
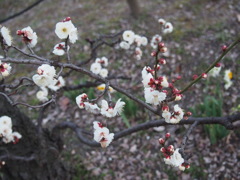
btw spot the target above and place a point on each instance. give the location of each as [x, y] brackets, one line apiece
[201, 27]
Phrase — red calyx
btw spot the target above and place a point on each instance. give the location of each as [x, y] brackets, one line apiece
[224, 48]
[167, 135]
[161, 45]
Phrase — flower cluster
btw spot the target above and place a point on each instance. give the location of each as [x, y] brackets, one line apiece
[102, 135]
[153, 92]
[172, 157]
[106, 110]
[66, 29]
[167, 27]
[6, 131]
[46, 78]
[174, 117]
[97, 67]
[28, 36]
[83, 102]
[5, 69]
[228, 75]
[129, 37]
[5, 36]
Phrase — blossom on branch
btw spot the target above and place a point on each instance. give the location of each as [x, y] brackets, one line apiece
[42, 94]
[228, 75]
[46, 76]
[28, 36]
[103, 61]
[102, 135]
[59, 49]
[66, 29]
[83, 102]
[112, 111]
[154, 97]
[174, 117]
[5, 34]
[5, 69]
[6, 131]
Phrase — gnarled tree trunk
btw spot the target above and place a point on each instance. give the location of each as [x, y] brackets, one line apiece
[36, 156]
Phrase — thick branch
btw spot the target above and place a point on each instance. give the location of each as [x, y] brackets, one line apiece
[224, 121]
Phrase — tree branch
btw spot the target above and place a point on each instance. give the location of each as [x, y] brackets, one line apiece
[224, 121]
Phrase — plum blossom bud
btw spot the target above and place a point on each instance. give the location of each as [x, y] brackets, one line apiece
[165, 108]
[179, 77]
[187, 166]
[163, 49]
[167, 135]
[218, 65]
[163, 150]
[178, 97]
[204, 75]
[188, 113]
[153, 54]
[170, 148]
[161, 45]
[161, 141]
[224, 48]
[195, 76]
[162, 61]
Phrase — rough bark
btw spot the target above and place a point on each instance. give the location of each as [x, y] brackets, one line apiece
[134, 7]
[36, 156]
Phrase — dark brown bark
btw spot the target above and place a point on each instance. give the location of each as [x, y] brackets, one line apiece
[134, 8]
[36, 156]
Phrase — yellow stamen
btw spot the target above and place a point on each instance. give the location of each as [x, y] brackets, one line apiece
[230, 75]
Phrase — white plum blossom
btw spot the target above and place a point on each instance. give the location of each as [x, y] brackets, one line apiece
[43, 80]
[161, 21]
[5, 33]
[144, 41]
[59, 83]
[103, 61]
[146, 77]
[214, 72]
[5, 69]
[109, 111]
[63, 29]
[102, 87]
[140, 40]
[175, 117]
[103, 72]
[42, 95]
[175, 159]
[96, 68]
[46, 76]
[6, 131]
[59, 49]
[29, 37]
[73, 35]
[168, 28]
[102, 135]
[154, 97]
[81, 99]
[92, 108]
[128, 36]
[164, 82]
[47, 70]
[228, 75]
[155, 40]
[138, 53]
[124, 45]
